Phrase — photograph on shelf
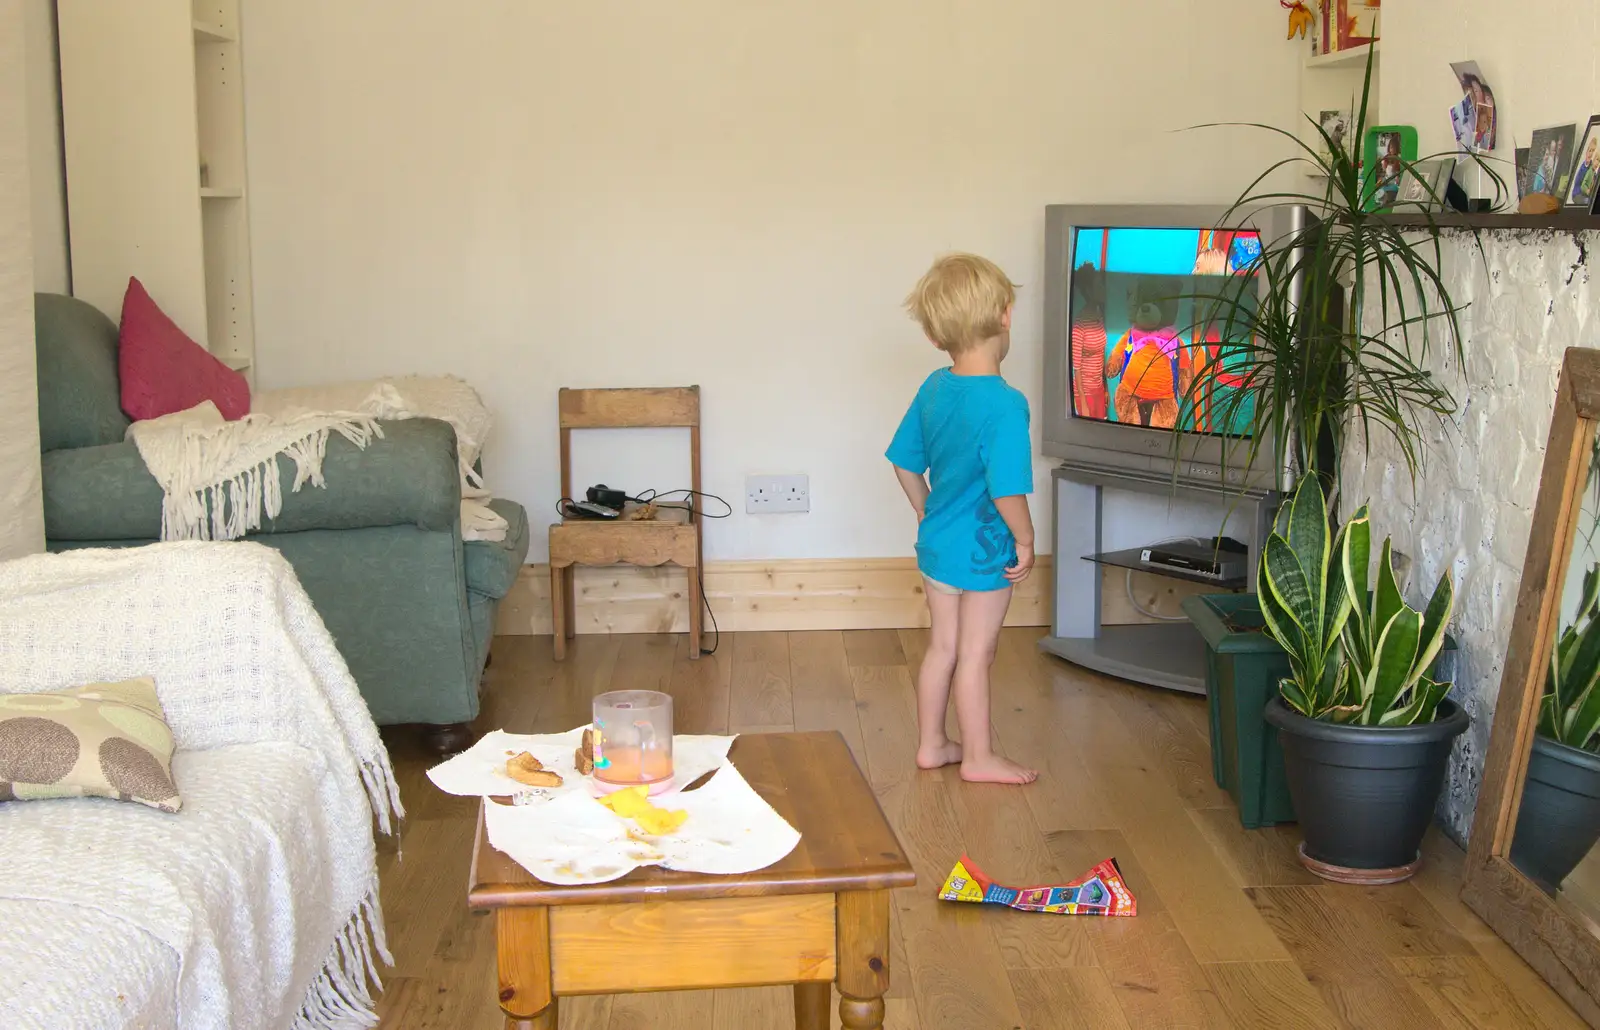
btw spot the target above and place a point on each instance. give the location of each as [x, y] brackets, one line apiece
[1423, 185]
[1473, 118]
[1580, 192]
[1550, 159]
[1386, 152]
[1522, 172]
[1336, 125]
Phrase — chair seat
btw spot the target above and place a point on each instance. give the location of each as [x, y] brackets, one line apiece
[667, 539]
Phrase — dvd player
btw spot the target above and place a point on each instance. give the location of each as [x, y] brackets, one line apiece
[1213, 559]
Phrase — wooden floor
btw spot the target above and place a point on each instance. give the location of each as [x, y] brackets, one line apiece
[1231, 932]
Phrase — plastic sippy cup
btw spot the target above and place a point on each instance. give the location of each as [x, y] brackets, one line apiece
[633, 740]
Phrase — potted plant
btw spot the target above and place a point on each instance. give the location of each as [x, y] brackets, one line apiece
[1365, 728]
[1558, 821]
[1335, 341]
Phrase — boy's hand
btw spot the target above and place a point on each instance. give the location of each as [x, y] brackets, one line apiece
[1019, 572]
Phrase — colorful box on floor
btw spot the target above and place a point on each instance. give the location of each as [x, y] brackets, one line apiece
[1099, 892]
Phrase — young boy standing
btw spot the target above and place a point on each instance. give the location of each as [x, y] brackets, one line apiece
[968, 431]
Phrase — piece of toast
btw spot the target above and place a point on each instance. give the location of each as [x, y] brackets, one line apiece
[525, 768]
[584, 756]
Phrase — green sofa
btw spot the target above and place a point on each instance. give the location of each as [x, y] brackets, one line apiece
[379, 550]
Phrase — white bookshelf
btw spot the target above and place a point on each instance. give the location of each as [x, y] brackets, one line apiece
[1355, 58]
[150, 92]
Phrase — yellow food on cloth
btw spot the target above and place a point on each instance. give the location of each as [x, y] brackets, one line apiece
[634, 803]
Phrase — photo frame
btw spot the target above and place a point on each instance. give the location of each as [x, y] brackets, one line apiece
[1550, 159]
[1581, 190]
[1387, 150]
[1423, 185]
[1522, 172]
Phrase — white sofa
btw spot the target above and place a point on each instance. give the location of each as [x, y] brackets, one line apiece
[256, 904]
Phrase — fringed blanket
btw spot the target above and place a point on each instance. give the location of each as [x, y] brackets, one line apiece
[219, 479]
[273, 916]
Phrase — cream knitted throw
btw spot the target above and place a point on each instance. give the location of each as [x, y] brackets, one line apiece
[244, 667]
[220, 478]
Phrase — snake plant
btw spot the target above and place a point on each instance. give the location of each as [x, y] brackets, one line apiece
[1357, 655]
[1570, 711]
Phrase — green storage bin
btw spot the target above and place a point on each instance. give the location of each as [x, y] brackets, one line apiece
[1243, 667]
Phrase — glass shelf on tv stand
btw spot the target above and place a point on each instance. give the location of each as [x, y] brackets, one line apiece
[1133, 558]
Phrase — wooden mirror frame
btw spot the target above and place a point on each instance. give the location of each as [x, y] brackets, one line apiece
[1564, 950]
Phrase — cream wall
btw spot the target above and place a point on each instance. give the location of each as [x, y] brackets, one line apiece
[21, 513]
[43, 98]
[731, 194]
[1541, 57]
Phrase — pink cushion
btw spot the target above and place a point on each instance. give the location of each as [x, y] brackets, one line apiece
[163, 371]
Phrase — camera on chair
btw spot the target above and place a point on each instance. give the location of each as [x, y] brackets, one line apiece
[607, 498]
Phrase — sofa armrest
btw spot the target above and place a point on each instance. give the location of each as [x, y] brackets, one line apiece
[409, 477]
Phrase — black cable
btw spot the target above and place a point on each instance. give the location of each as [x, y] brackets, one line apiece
[653, 497]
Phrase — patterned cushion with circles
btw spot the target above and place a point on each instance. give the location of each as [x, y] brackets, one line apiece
[107, 740]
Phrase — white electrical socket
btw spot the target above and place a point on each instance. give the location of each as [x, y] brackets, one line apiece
[773, 495]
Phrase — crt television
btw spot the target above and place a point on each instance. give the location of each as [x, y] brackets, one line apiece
[1125, 334]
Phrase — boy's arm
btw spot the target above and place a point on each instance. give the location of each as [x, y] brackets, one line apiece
[1007, 452]
[916, 488]
[1019, 520]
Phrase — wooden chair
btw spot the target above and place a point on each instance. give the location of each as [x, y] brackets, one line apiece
[672, 537]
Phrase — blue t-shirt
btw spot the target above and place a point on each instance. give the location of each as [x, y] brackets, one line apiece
[971, 434]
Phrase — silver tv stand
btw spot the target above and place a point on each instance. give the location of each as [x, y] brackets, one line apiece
[1170, 655]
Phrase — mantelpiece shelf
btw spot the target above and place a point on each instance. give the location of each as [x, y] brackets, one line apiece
[1563, 221]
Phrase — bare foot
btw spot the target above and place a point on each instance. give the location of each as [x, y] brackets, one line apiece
[948, 753]
[995, 769]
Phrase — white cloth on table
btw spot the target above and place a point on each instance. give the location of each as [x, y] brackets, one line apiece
[562, 835]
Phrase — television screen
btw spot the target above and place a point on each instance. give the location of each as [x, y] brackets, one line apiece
[1143, 331]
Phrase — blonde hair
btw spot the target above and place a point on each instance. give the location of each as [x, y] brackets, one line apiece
[961, 301]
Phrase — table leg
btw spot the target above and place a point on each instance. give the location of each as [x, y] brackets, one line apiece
[522, 943]
[863, 920]
[811, 1005]
[549, 1019]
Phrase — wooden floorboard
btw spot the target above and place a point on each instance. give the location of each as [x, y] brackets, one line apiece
[1231, 934]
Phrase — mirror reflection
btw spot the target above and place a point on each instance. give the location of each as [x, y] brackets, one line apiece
[1558, 822]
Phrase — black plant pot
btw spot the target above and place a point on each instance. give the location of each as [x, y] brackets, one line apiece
[1364, 794]
[1559, 819]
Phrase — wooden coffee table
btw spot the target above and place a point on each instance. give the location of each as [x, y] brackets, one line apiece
[818, 917]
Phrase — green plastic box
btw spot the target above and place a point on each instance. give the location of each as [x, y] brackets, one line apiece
[1243, 667]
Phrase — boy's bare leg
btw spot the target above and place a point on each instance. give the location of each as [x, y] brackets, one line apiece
[982, 615]
[933, 681]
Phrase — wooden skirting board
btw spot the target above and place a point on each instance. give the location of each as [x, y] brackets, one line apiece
[800, 594]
